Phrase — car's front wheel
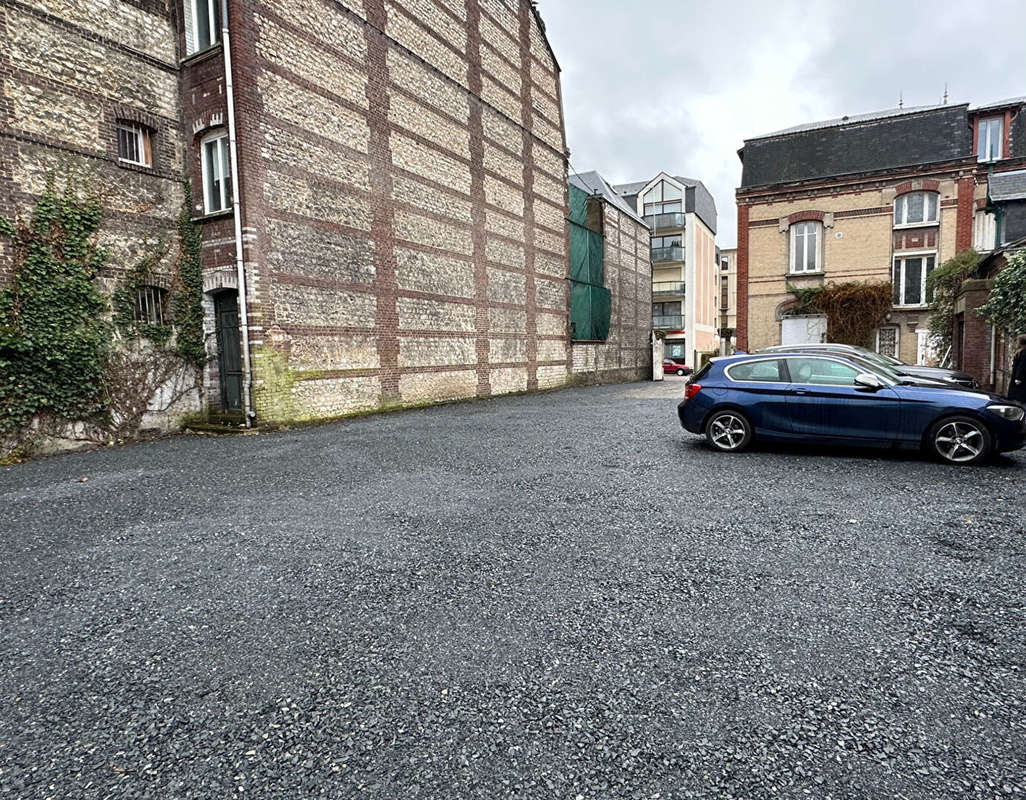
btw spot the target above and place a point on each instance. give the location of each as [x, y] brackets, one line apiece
[728, 431]
[960, 440]
[680, 372]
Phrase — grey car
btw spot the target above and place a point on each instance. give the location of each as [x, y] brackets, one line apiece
[948, 376]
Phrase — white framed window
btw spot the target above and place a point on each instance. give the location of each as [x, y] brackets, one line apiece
[134, 145]
[984, 231]
[909, 279]
[887, 340]
[989, 134]
[217, 174]
[202, 24]
[806, 247]
[915, 208]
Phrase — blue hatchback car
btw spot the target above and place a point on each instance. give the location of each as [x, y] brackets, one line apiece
[802, 396]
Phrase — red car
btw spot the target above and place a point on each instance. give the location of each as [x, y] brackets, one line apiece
[671, 365]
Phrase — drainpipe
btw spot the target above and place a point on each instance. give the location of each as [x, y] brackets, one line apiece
[240, 267]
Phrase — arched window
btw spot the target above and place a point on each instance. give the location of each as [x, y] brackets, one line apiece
[915, 208]
[150, 303]
[806, 246]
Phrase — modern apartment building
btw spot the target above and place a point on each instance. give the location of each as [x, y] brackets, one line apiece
[380, 186]
[727, 299]
[886, 196]
[681, 215]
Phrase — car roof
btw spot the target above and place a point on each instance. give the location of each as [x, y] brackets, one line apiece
[813, 346]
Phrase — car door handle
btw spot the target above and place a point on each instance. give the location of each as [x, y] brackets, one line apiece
[800, 391]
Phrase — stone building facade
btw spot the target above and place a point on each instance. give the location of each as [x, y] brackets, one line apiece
[879, 197]
[388, 179]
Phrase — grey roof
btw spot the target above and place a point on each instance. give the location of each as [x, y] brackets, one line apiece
[1008, 185]
[866, 143]
[1012, 101]
[594, 184]
[847, 120]
[697, 198]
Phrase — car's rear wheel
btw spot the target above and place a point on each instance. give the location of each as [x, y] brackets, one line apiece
[728, 431]
[680, 372]
[960, 440]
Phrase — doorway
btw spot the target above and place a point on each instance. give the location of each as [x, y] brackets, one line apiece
[229, 351]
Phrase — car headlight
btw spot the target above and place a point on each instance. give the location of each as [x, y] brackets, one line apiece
[1014, 413]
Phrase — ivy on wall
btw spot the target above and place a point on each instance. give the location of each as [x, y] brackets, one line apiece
[1005, 308]
[945, 283]
[70, 354]
[853, 310]
[54, 338]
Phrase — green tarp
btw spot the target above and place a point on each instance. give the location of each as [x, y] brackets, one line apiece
[590, 301]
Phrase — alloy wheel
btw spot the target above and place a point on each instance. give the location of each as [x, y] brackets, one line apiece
[959, 441]
[727, 431]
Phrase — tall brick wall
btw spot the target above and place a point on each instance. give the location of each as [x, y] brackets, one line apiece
[404, 171]
[626, 354]
[68, 70]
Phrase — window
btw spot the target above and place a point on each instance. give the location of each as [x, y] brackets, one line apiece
[887, 341]
[149, 304]
[724, 292]
[205, 19]
[768, 370]
[134, 144]
[217, 174]
[915, 208]
[663, 198]
[988, 138]
[805, 247]
[821, 371]
[984, 231]
[724, 265]
[909, 280]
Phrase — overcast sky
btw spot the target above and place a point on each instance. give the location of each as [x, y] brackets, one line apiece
[673, 85]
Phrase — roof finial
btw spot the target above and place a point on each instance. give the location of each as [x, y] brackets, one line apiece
[901, 99]
[945, 92]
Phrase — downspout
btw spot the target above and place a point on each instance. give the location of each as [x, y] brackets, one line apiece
[240, 266]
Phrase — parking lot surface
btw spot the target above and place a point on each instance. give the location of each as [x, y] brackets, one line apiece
[551, 596]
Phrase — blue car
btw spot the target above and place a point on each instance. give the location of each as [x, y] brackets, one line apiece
[831, 398]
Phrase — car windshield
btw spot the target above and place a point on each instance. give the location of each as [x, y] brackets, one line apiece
[874, 366]
[878, 358]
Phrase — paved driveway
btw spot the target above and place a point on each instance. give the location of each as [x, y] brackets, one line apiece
[558, 596]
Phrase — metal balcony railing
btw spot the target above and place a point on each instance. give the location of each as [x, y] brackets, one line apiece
[662, 222]
[667, 288]
[674, 321]
[667, 254]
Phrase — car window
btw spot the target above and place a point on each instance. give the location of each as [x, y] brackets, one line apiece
[768, 370]
[821, 371]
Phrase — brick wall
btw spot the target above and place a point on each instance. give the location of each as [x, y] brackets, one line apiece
[626, 354]
[410, 241]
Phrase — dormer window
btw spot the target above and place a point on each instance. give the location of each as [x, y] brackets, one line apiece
[915, 208]
[989, 137]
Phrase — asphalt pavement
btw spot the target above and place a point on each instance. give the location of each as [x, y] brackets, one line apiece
[551, 596]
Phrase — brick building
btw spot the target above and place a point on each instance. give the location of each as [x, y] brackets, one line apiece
[885, 196]
[381, 185]
[728, 299]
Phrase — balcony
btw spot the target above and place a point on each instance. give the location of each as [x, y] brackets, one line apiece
[662, 222]
[671, 321]
[665, 288]
[667, 254]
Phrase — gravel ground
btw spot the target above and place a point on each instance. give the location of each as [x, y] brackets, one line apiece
[558, 596]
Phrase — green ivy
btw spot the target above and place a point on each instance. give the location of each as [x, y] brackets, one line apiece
[53, 333]
[1005, 308]
[945, 283]
[124, 297]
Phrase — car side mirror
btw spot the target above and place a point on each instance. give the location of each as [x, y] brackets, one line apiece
[867, 380]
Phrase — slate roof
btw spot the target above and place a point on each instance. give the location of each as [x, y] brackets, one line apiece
[1007, 185]
[867, 143]
[1012, 101]
[594, 184]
